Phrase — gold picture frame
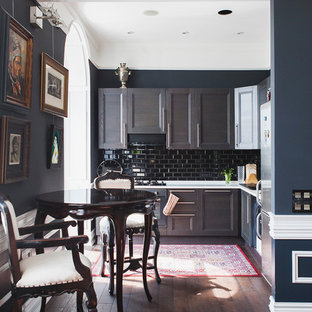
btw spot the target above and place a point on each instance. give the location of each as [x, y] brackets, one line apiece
[17, 66]
[54, 87]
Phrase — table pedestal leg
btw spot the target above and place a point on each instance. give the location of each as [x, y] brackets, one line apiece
[81, 232]
[147, 241]
[120, 230]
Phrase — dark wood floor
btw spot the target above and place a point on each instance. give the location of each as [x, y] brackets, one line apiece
[187, 294]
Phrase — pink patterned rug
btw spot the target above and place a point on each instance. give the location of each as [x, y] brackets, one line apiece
[197, 260]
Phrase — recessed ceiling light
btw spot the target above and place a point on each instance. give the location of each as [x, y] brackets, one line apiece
[130, 32]
[185, 32]
[240, 33]
[150, 12]
[225, 12]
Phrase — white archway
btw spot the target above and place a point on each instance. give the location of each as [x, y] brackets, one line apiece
[77, 125]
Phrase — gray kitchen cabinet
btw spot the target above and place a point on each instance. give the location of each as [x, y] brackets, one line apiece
[246, 218]
[180, 118]
[219, 213]
[214, 118]
[112, 109]
[184, 218]
[204, 212]
[246, 118]
[263, 87]
[146, 110]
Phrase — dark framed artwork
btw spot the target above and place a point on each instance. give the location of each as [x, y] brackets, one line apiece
[17, 67]
[15, 146]
[54, 87]
[55, 149]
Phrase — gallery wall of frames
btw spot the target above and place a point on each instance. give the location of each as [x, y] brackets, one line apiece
[33, 104]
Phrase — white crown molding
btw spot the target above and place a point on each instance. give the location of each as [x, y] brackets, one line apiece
[289, 306]
[290, 226]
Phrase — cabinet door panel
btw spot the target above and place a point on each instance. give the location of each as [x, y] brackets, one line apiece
[246, 118]
[180, 117]
[246, 218]
[215, 115]
[112, 118]
[219, 212]
[146, 109]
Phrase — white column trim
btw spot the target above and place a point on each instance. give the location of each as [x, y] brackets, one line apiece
[290, 226]
[289, 306]
[296, 254]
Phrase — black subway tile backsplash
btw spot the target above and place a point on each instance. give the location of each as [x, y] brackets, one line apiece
[156, 162]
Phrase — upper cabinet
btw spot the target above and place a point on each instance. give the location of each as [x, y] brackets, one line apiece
[214, 118]
[246, 118]
[191, 118]
[180, 118]
[112, 118]
[146, 110]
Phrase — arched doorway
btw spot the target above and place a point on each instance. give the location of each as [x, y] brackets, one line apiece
[77, 125]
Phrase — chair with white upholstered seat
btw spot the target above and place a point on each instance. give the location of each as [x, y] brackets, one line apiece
[46, 274]
[134, 225]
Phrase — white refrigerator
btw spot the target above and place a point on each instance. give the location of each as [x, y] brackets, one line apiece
[266, 240]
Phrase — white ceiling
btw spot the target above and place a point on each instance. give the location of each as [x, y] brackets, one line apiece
[240, 40]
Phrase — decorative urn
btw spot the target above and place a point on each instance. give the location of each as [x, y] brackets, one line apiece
[123, 72]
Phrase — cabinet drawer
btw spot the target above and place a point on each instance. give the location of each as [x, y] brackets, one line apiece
[185, 207]
[182, 224]
[186, 197]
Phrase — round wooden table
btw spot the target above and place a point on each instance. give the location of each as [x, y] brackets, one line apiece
[118, 204]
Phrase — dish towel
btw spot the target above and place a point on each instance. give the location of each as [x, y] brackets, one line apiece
[172, 201]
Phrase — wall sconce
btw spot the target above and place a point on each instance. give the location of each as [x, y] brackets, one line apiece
[39, 13]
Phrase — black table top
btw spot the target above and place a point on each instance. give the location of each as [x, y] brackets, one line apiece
[93, 197]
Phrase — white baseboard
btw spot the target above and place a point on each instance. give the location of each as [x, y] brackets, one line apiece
[289, 306]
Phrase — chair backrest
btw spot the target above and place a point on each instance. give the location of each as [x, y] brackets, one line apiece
[113, 180]
[11, 231]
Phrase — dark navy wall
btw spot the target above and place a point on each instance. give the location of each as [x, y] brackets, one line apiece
[184, 78]
[291, 94]
[51, 41]
[94, 118]
[285, 290]
[291, 75]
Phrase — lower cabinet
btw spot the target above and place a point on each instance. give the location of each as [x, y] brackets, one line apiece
[246, 221]
[203, 212]
[183, 219]
[248, 218]
[219, 213]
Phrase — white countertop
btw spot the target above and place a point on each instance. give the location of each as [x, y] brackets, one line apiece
[199, 185]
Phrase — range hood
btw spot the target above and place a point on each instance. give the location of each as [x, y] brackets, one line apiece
[146, 139]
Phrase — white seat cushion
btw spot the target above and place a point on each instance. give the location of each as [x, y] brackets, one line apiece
[133, 221]
[44, 269]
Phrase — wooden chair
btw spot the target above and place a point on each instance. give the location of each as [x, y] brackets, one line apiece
[134, 225]
[46, 274]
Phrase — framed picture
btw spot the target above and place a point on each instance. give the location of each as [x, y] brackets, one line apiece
[55, 150]
[17, 66]
[54, 87]
[15, 145]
